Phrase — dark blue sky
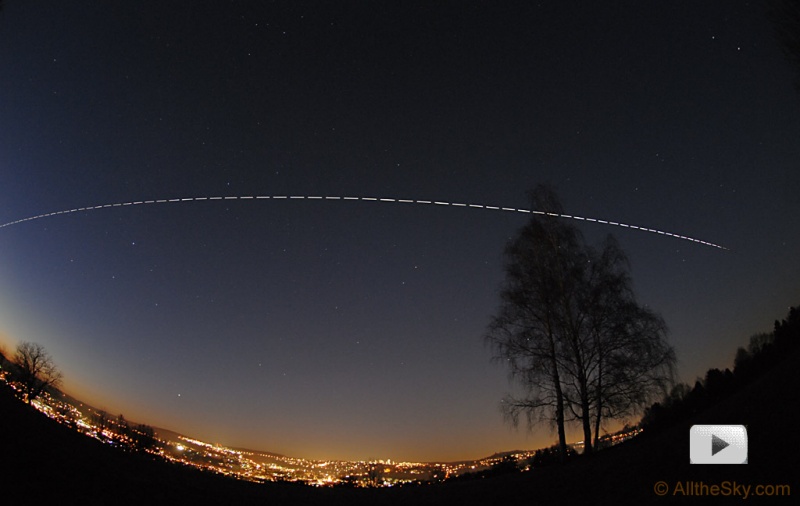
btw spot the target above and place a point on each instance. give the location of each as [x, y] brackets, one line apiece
[353, 329]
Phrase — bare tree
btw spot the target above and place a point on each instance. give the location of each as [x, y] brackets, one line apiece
[526, 334]
[629, 359]
[37, 370]
[570, 331]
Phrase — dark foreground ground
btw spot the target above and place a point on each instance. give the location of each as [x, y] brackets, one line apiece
[41, 461]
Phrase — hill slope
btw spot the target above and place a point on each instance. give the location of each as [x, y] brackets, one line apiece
[42, 460]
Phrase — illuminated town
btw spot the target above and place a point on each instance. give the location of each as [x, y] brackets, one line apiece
[259, 466]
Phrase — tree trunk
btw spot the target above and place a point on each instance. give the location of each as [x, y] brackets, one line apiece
[562, 434]
[586, 417]
[597, 426]
[599, 402]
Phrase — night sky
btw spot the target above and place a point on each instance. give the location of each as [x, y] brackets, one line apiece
[353, 329]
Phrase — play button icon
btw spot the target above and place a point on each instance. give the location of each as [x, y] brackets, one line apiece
[718, 444]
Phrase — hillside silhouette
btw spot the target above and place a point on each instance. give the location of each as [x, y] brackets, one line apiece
[44, 461]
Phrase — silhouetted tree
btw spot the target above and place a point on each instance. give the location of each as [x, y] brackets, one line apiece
[37, 371]
[718, 384]
[122, 426]
[787, 331]
[437, 475]
[548, 456]
[759, 342]
[100, 420]
[742, 365]
[374, 474]
[628, 361]
[144, 437]
[763, 352]
[526, 333]
[570, 330]
[507, 465]
[3, 359]
[678, 394]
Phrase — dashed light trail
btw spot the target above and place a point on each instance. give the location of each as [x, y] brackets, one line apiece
[367, 199]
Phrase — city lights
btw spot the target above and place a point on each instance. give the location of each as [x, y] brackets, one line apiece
[264, 467]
